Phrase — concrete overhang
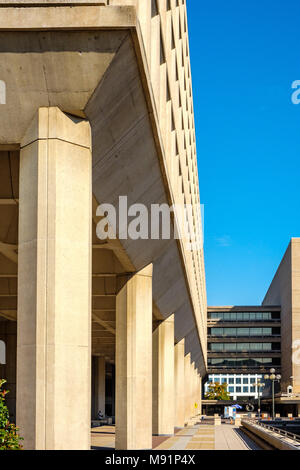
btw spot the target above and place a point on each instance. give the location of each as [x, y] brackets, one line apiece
[90, 61]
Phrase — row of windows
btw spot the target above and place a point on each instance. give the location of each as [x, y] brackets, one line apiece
[243, 347]
[244, 316]
[243, 362]
[237, 380]
[241, 389]
[232, 332]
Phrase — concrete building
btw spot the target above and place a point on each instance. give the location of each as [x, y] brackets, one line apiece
[241, 387]
[96, 103]
[285, 291]
[243, 340]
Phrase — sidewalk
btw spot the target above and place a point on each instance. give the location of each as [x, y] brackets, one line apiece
[198, 437]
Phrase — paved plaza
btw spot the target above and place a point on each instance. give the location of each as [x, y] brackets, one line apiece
[197, 437]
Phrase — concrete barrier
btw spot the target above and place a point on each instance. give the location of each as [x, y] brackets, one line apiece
[277, 441]
[237, 421]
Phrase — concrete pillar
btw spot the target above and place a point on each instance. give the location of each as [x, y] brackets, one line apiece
[134, 362]
[54, 283]
[187, 387]
[196, 393]
[179, 384]
[100, 384]
[163, 407]
[200, 395]
[192, 399]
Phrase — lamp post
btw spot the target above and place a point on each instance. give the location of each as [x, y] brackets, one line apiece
[274, 378]
[259, 386]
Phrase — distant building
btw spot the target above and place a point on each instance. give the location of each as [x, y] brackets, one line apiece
[245, 342]
[239, 386]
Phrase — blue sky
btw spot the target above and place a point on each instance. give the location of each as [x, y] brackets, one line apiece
[245, 56]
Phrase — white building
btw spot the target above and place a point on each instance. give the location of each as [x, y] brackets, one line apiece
[239, 385]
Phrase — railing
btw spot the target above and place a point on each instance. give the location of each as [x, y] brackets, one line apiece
[281, 432]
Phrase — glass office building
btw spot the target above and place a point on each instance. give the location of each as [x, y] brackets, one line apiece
[243, 340]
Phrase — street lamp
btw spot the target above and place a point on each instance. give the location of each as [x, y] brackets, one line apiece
[274, 378]
[259, 386]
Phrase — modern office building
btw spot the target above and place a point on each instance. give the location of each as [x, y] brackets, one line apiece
[243, 339]
[251, 340]
[240, 387]
[96, 104]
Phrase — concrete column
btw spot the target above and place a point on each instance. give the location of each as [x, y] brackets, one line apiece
[200, 395]
[101, 384]
[163, 409]
[54, 283]
[179, 384]
[134, 362]
[194, 391]
[192, 399]
[187, 387]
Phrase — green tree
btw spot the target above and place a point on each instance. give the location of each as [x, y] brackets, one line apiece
[9, 439]
[217, 391]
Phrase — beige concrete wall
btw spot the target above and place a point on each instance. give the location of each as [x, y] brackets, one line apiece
[164, 32]
[285, 291]
[54, 283]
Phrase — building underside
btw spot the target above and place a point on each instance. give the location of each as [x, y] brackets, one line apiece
[98, 105]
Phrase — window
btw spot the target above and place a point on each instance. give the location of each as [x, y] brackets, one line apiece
[224, 380]
[238, 389]
[252, 389]
[217, 331]
[229, 331]
[238, 380]
[230, 347]
[231, 389]
[255, 346]
[245, 381]
[252, 380]
[231, 380]
[245, 389]
[242, 331]
[267, 331]
[216, 347]
[256, 331]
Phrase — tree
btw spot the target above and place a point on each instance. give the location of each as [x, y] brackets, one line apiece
[217, 391]
[9, 439]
